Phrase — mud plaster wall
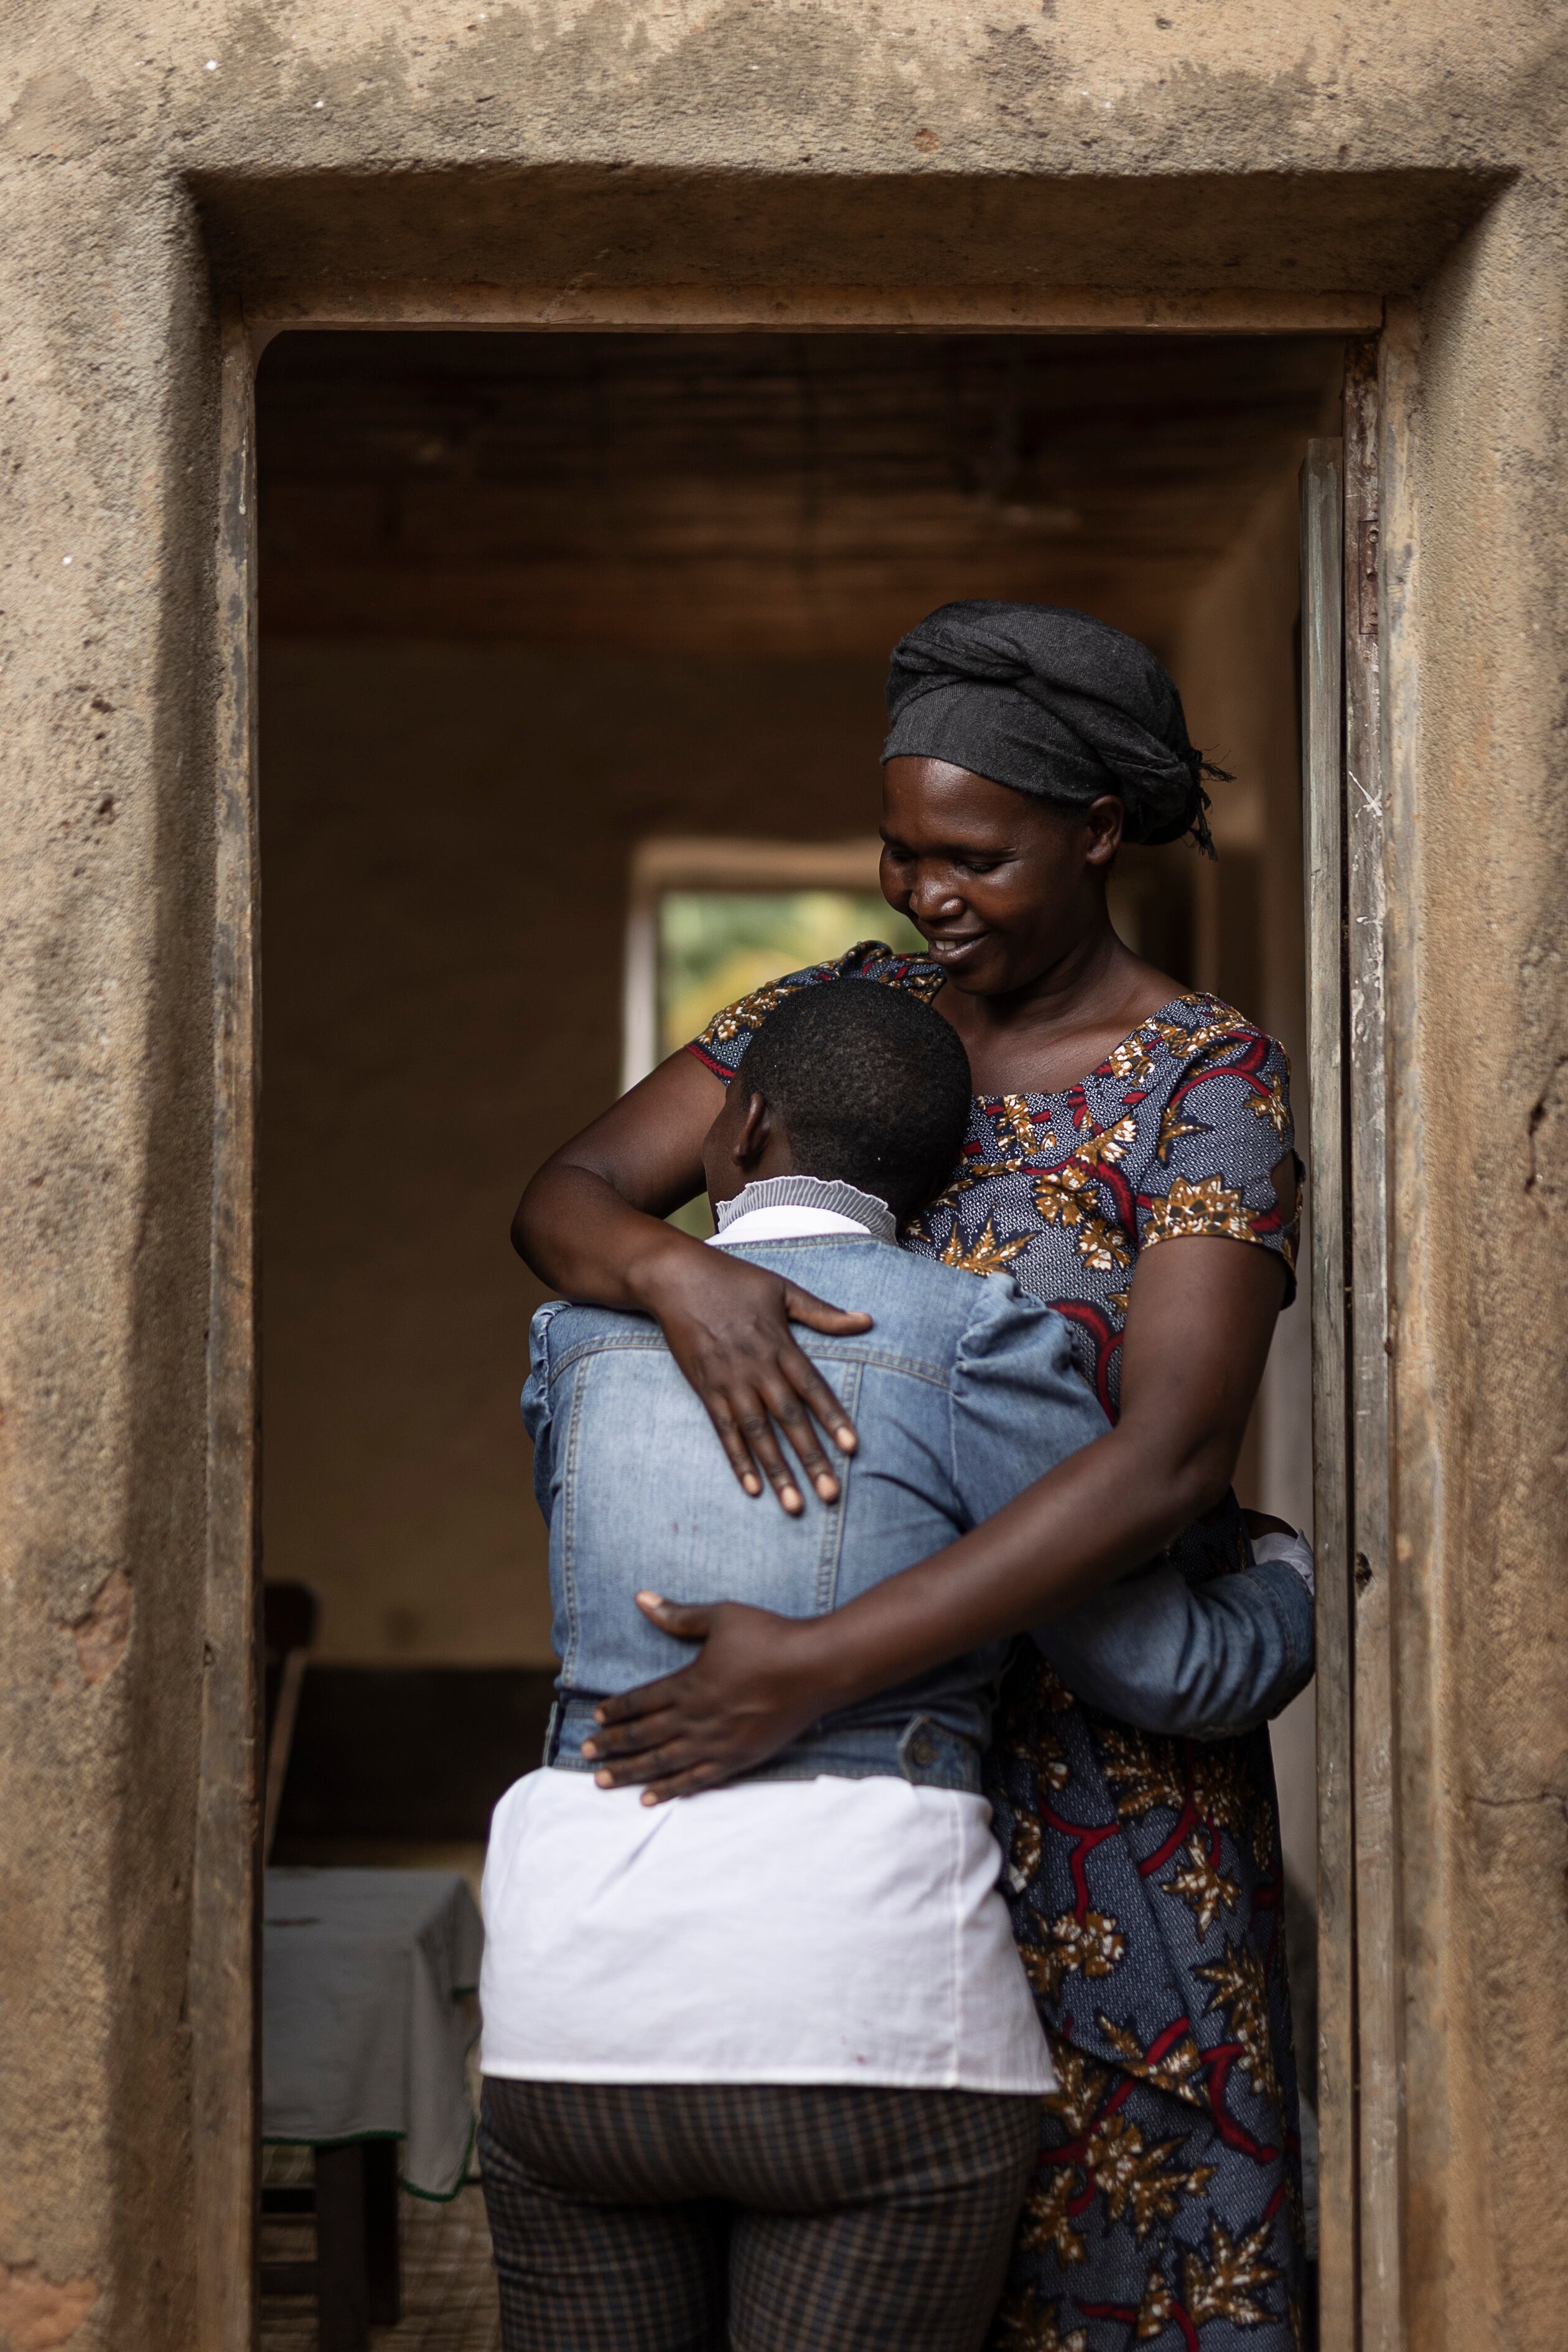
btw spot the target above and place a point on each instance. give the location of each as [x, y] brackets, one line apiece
[1479, 1041]
[995, 142]
[112, 661]
[446, 838]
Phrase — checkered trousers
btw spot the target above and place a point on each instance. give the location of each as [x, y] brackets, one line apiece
[750, 2217]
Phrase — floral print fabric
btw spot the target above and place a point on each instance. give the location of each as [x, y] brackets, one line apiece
[1143, 1874]
[1123, 2240]
[1146, 1889]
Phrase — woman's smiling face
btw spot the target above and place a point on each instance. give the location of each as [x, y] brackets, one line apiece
[1000, 886]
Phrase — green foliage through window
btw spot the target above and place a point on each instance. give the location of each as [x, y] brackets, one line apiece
[717, 945]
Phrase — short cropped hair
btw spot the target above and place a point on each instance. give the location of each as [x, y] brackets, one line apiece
[872, 1086]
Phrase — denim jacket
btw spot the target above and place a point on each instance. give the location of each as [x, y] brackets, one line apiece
[964, 1393]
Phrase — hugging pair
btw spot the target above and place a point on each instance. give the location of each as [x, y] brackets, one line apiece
[764, 2067]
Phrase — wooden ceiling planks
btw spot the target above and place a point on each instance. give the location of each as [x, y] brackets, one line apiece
[790, 493]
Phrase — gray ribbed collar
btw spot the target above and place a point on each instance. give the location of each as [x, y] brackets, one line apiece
[813, 1192]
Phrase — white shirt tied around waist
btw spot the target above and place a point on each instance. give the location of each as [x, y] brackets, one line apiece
[786, 1931]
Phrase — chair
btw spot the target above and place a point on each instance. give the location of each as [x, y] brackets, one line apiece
[355, 2277]
[353, 2195]
[289, 1628]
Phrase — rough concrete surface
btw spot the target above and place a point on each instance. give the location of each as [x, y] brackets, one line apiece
[152, 156]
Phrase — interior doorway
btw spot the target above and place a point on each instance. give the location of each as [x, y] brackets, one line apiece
[533, 610]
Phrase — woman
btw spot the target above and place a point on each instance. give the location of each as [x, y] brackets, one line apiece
[1129, 1160]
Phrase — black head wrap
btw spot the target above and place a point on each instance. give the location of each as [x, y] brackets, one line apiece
[1053, 703]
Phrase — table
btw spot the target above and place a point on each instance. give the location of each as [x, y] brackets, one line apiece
[364, 2044]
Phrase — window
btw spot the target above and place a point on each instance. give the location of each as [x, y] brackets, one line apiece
[712, 920]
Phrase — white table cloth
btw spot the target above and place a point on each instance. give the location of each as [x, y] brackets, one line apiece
[363, 2031]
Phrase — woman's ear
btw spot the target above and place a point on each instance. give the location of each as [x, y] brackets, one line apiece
[1104, 819]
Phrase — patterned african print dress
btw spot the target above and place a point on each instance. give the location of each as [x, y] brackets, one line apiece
[1143, 1873]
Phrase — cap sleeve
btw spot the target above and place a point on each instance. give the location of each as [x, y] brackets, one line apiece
[1225, 1127]
[724, 1041]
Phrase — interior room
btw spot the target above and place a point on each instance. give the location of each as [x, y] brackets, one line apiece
[573, 649]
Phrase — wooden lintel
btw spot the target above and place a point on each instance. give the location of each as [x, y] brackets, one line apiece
[807, 310]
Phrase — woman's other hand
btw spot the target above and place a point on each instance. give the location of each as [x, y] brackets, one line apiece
[756, 1686]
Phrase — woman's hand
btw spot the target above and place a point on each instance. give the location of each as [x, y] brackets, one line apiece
[756, 1686]
[728, 1326]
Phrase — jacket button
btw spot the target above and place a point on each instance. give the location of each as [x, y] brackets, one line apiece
[922, 1750]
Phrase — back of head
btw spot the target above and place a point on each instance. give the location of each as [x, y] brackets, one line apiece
[871, 1085]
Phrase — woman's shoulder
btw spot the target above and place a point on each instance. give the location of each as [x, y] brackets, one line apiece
[1206, 1098]
[731, 1031]
[1190, 1027]
[1196, 1065]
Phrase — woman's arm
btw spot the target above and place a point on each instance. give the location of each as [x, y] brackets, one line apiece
[591, 1219]
[1201, 1317]
[591, 1222]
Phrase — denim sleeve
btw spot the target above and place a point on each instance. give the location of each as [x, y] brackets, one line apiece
[1198, 1661]
[537, 1414]
[1019, 1403]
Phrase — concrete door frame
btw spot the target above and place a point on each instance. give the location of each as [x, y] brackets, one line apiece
[1360, 2071]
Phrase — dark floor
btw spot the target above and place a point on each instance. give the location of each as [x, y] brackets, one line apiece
[449, 2301]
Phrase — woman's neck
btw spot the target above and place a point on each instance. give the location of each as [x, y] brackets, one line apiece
[1050, 1033]
[1086, 976]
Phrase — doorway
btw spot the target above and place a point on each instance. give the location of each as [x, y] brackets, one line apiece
[533, 609]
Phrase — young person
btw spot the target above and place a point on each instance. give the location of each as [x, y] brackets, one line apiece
[763, 2068]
